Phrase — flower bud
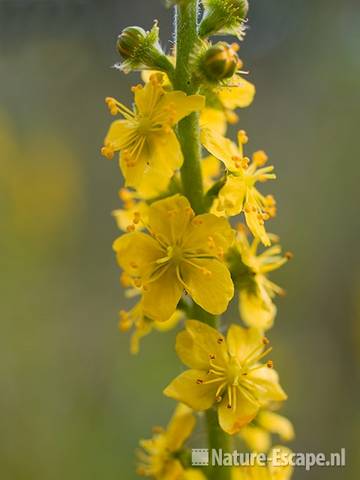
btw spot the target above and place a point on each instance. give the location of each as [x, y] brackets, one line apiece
[129, 41]
[219, 62]
[141, 50]
[223, 17]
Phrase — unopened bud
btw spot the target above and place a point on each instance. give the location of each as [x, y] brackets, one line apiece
[222, 17]
[141, 50]
[219, 62]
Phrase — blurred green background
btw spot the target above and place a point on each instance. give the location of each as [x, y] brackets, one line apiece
[73, 402]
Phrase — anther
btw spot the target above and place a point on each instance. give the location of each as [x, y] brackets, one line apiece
[130, 228]
[265, 341]
[289, 255]
[242, 137]
[199, 381]
[220, 340]
[212, 356]
[270, 364]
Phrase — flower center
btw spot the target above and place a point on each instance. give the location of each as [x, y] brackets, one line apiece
[144, 125]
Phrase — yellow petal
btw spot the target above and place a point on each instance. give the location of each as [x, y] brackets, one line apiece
[169, 324]
[167, 155]
[186, 389]
[180, 427]
[257, 228]
[180, 104]
[209, 233]
[280, 454]
[211, 169]
[197, 342]
[209, 283]
[136, 253]
[213, 119]
[275, 423]
[239, 95]
[119, 134]
[125, 216]
[193, 474]
[221, 147]
[134, 173]
[231, 420]
[162, 296]
[170, 217]
[232, 195]
[153, 183]
[268, 379]
[256, 438]
[243, 341]
[255, 310]
[148, 97]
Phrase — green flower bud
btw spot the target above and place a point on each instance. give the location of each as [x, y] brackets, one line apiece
[129, 41]
[141, 50]
[223, 17]
[219, 62]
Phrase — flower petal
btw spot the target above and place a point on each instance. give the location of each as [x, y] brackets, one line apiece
[213, 119]
[197, 342]
[180, 104]
[221, 147]
[209, 283]
[136, 253]
[186, 389]
[268, 380]
[170, 218]
[255, 310]
[119, 134]
[231, 420]
[275, 423]
[242, 342]
[162, 296]
[210, 233]
[239, 95]
[180, 427]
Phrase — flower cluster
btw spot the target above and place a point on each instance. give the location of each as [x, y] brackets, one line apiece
[186, 187]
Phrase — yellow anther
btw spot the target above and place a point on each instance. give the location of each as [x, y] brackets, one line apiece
[206, 272]
[137, 218]
[137, 283]
[265, 341]
[231, 117]
[218, 399]
[220, 340]
[108, 152]
[130, 228]
[134, 264]
[289, 255]
[212, 356]
[235, 46]
[242, 137]
[270, 364]
[199, 381]
[245, 162]
[211, 242]
[137, 87]
[260, 158]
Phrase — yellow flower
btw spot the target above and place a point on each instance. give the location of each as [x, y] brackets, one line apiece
[193, 474]
[250, 272]
[160, 457]
[225, 372]
[236, 93]
[128, 217]
[182, 252]
[278, 467]
[239, 193]
[257, 434]
[213, 119]
[211, 170]
[150, 150]
[136, 319]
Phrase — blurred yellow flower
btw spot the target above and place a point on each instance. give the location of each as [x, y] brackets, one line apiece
[236, 93]
[213, 119]
[225, 372]
[125, 216]
[142, 325]
[278, 467]
[250, 272]
[182, 252]
[239, 193]
[160, 458]
[145, 137]
[257, 434]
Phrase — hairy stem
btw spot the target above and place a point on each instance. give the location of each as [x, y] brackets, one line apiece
[192, 183]
[188, 129]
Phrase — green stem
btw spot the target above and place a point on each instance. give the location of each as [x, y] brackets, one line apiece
[188, 129]
[217, 440]
[191, 177]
